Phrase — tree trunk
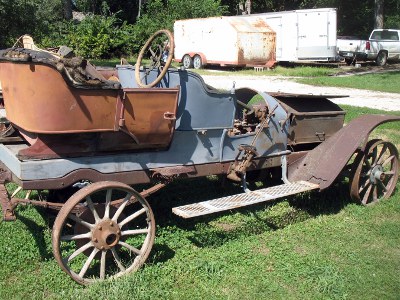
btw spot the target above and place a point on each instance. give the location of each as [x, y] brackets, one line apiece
[379, 14]
[67, 9]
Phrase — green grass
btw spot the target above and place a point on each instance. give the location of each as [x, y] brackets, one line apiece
[385, 82]
[312, 246]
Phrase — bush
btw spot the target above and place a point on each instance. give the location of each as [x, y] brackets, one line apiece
[105, 35]
[97, 36]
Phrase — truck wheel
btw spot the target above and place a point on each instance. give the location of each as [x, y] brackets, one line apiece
[197, 62]
[381, 59]
[349, 61]
[187, 61]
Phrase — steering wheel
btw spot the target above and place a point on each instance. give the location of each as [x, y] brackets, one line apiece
[159, 49]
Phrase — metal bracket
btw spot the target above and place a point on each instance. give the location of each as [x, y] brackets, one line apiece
[284, 169]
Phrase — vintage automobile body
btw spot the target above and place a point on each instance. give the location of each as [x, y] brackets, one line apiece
[75, 127]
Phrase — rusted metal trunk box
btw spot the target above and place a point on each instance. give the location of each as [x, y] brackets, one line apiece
[225, 40]
[313, 118]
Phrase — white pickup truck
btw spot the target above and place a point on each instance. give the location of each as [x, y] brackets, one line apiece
[383, 45]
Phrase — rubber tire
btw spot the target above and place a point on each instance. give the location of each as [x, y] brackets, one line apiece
[381, 59]
[349, 61]
[197, 62]
[187, 61]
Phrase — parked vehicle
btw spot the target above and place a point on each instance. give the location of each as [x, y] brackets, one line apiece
[86, 135]
[351, 48]
[259, 39]
[233, 41]
[304, 35]
[382, 46]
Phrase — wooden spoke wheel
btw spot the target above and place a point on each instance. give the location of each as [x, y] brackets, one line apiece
[104, 230]
[375, 172]
[159, 50]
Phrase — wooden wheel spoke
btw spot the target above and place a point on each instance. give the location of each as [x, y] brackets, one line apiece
[388, 160]
[382, 185]
[367, 164]
[88, 262]
[390, 173]
[380, 156]
[375, 194]
[78, 251]
[118, 260]
[92, 208]
[129, 247]
[364, 186]
[135, 232]
[366, 195]
[103, 265]
[73, 237]
[80, 221]
[122, 207]
[108, 204]
[131, 217]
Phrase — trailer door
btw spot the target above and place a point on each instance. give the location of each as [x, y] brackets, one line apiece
[312, 39]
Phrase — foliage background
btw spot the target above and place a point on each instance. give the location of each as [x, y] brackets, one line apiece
[114, 28]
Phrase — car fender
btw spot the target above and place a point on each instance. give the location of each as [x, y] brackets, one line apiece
[323, 164]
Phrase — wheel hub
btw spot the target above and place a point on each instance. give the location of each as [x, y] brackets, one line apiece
[377, 174]
[106, 234]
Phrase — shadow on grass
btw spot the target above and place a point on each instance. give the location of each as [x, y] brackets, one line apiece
[37, 234]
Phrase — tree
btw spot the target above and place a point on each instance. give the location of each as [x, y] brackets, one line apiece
[33, 17]
[67, 9]
[379, 14]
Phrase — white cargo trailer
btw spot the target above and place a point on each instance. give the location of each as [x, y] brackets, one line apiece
[307, 34]
[234, 41]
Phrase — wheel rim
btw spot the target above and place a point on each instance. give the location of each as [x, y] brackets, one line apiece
[187, 61]
[156, 45]
[375, 172]
[104, 230]
[381, 59]
[197, 62]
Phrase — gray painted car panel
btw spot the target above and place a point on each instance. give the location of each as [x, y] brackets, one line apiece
[196, 139]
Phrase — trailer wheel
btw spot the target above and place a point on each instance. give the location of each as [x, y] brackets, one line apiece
[375, 172]
[197, 62]
[381, 59]
[105, 230]
[187, 61]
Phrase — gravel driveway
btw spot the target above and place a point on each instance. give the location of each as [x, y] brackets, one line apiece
[365, 98]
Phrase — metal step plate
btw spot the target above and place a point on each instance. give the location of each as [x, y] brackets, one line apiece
[244, 199]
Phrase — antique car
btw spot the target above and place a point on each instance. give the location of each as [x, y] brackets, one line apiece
[87, 135]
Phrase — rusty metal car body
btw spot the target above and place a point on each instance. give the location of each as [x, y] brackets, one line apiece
[100, 131]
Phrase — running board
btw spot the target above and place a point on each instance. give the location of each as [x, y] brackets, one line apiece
[243, 199]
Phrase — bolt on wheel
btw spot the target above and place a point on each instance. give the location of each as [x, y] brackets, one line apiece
[375, 172]
[104, 230]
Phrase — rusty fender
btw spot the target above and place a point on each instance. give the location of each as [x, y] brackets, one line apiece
[324, 163]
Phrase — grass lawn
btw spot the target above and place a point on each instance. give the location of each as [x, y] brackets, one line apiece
[385, 82]
[312, 246]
